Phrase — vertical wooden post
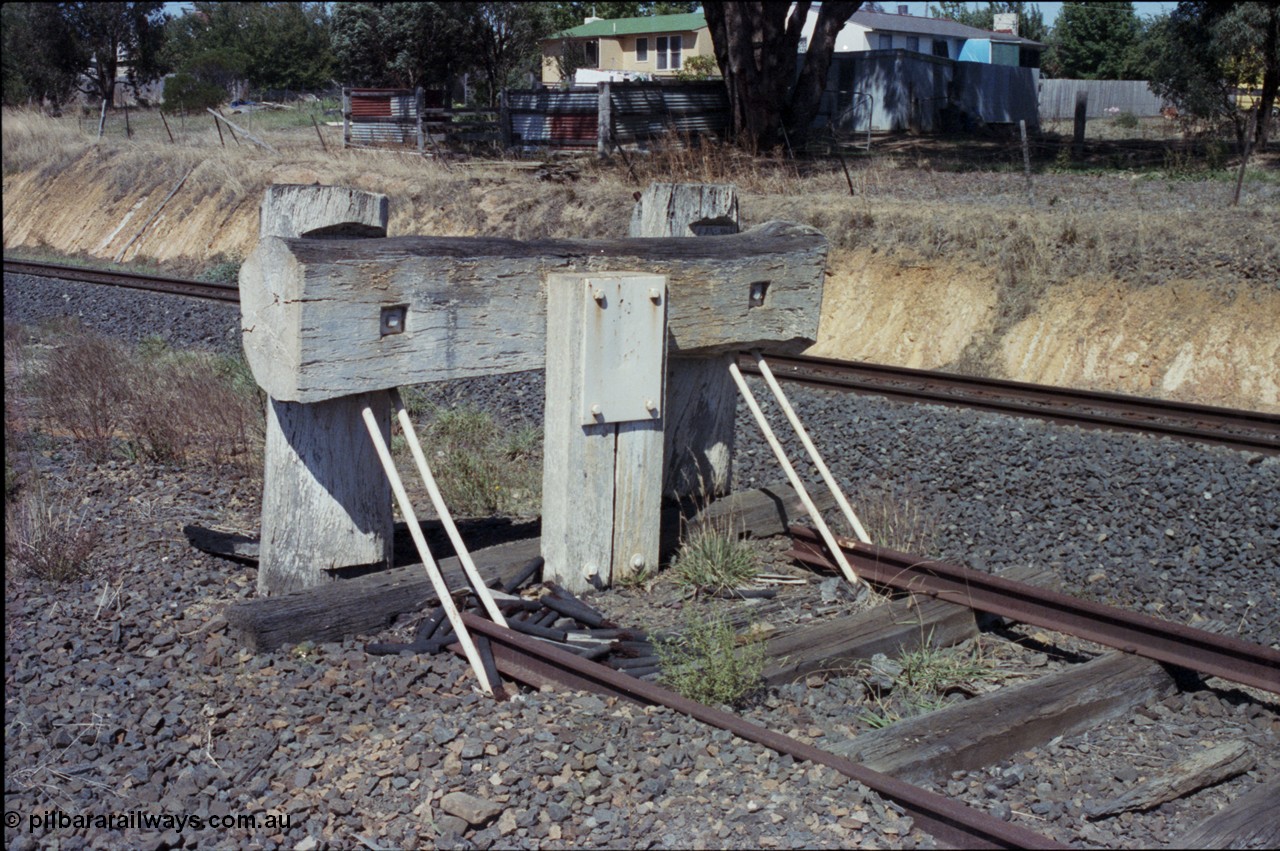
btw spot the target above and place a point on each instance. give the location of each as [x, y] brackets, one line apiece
[325, 503]
[602, 470]
[1244, 156]
[1082, 109]
[504, 120]
[1026, 159]
[604, 119]
[346, 118]
[418, 101]
[701, 398]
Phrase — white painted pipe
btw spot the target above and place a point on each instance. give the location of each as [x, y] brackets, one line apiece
[830, 480]
[446, 518]
[793, 477]
[433, 570]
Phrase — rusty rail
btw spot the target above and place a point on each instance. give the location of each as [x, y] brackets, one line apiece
[537, 663]
[1239, 429]
[229, 293]
[1164, 641]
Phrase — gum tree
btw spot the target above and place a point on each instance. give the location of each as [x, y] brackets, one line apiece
[757, 48]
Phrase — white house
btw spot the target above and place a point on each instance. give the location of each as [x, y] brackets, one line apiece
[933, 36]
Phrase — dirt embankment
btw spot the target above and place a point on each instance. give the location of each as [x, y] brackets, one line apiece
[1106, 290]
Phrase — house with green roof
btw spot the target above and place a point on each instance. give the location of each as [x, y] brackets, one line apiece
[656, 46]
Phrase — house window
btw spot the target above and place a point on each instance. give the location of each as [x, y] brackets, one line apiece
[669, 52]
[886, 42]
[642, 50]
[591, 54]
[940, 47]
[913, 43]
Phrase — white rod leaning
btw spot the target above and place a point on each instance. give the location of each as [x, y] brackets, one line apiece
[433, 570]
[446, 518]
[793, 477]
[830, 480]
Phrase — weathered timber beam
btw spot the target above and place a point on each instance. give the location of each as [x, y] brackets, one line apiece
[312, 309]
[989, 728]
[1250, 821]
[362, 605]
[894, 628]
[1202, 768]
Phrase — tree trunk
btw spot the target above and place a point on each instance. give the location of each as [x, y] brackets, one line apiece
[1270, 79]
[756, 45]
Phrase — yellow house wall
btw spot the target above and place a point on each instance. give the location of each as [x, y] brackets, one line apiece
[619, 54]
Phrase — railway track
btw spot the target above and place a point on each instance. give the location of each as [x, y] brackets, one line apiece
[1239, 429]
[540, 663]
[150, 283]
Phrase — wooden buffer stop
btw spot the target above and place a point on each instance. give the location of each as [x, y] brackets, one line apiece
[633, 334]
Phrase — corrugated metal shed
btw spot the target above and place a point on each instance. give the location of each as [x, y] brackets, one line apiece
[389, 117]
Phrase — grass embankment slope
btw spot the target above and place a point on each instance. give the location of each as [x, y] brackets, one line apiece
[1147, 283]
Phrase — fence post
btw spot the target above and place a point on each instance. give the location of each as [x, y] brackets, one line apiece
[602, 456]
[324, 506]
[504, 119]
[604, 119]
[346, 118]
[418, 101]
[1082, 109]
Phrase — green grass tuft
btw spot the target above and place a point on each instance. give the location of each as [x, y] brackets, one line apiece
[706, 664]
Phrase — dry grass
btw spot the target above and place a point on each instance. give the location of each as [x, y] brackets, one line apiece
[48, 536]
[143, 403]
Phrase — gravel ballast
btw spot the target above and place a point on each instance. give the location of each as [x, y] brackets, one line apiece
[126, 693]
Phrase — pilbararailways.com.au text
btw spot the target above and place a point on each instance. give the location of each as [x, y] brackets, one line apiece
[141, 820]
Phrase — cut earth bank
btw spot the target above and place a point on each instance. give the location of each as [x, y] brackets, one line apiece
[1113, 281]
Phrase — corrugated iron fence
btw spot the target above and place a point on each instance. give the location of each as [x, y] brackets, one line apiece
[896, 90]
[612, 113]
[1058, 98]
[391, 118]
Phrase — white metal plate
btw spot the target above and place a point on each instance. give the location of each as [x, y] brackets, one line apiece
[624, 346]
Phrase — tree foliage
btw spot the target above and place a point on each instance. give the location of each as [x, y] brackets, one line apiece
[505, 42]
[1204, 54]
[1096, 41]
[266, 45]
[1030, 19]
[757, 48]
[400, 44]
[40, 57]
[105, 35]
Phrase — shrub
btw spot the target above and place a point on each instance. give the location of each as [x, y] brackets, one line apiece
[47, 539]
[84, 387]
[482, 470]
[1127, 120]
[225, 272]
[896, 517]
[705, 663]
[713, 559]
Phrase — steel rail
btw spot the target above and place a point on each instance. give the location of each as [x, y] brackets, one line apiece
[1240, 429]
[229, 293]
[1164, 641]
[537, 663]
